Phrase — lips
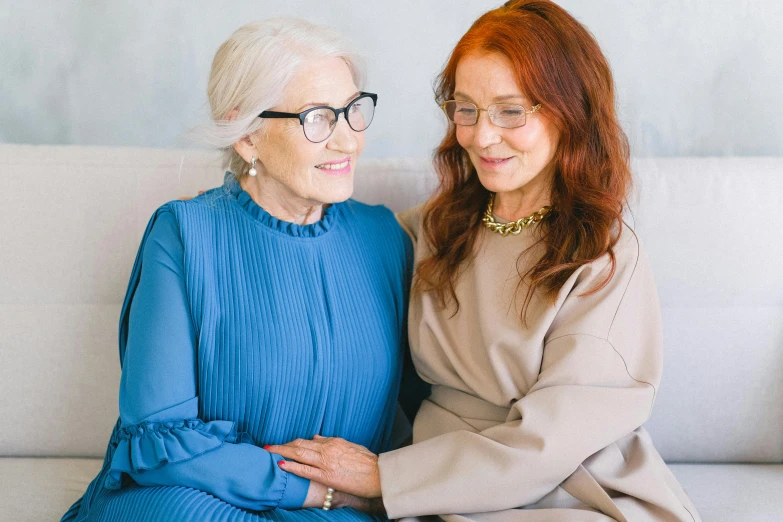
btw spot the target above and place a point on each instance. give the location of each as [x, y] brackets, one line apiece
[342, 166]
[334, 166]
[493, 163]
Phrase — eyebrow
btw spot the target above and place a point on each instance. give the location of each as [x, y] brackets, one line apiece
[320, 104]
[504, 97]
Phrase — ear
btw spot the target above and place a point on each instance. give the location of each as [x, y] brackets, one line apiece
[246, 148]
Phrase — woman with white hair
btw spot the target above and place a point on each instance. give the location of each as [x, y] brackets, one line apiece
[269, 309]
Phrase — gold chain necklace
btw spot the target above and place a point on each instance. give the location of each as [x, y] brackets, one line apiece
[515, 227]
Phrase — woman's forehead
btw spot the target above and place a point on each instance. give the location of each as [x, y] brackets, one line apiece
[488, 76]
[321, 82]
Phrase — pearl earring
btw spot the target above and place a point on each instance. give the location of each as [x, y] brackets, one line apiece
[252, 170]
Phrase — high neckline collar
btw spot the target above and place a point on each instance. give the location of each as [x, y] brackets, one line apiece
[260, 215]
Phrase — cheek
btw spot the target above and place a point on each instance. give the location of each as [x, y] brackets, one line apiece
[307, 156]
[300, 153]
[279, 146]
[464, 136]
[546, 136]
[534, 140]
[290, 159]
[360, 137]
[554, 141]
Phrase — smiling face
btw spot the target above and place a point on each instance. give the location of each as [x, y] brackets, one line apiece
[516, 164]
[296, 171]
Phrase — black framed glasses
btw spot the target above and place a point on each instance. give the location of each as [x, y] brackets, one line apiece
[506, 115]
[318, 123]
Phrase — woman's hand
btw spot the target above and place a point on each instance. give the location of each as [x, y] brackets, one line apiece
[337, 463]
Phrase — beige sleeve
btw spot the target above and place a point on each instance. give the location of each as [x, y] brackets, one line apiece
[410, 221]
[592, 390]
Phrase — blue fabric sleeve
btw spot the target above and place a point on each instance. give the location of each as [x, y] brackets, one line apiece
[162, 441]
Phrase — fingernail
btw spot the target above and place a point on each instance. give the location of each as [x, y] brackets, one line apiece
[266, 447]
[281, 463]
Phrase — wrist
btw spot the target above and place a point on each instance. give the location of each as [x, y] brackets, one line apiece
[341, 499]
[368, 505]
[315, 495]
[328, 498]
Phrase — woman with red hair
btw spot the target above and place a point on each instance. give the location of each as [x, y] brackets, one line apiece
[534, 313]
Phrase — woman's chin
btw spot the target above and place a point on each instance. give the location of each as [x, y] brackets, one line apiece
[338, 191]
[500, 182]
[497, 182]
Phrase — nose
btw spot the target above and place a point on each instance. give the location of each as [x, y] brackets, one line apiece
[486, 133]
[343, 139]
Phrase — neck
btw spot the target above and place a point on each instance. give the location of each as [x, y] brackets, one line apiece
[512, 206]
[280, 202]
[527, 199]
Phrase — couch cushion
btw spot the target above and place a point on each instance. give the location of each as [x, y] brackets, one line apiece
[68, 237]
[733, 492]
[42, 489]
[69, 233]
[711, 228]
[37, 489]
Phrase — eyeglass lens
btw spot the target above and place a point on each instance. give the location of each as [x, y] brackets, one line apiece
[501, 114]
[319, 123]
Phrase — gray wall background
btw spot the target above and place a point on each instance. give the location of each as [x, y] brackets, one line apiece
[694, 77]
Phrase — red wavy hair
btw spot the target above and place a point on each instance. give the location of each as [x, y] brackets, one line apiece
[557, 63]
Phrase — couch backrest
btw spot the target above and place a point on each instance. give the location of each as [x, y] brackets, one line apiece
[71, 219]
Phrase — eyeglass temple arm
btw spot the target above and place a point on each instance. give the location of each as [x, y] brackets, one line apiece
[275, 114]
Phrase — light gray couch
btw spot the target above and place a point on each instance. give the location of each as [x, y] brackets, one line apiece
[71, 219]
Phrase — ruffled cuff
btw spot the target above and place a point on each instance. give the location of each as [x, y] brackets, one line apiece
[150, 445]
[295, 492]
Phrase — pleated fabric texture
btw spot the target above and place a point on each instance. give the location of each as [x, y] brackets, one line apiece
[299, 330]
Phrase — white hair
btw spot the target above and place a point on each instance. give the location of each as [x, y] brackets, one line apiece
[251, 71]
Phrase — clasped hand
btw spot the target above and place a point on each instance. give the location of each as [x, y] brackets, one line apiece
[334, 462]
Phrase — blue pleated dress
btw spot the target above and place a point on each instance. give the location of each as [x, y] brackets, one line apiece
[240, 330]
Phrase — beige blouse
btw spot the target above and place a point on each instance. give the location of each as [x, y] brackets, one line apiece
[536, 423]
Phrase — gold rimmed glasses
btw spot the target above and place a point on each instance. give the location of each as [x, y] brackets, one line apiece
[506, 115]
